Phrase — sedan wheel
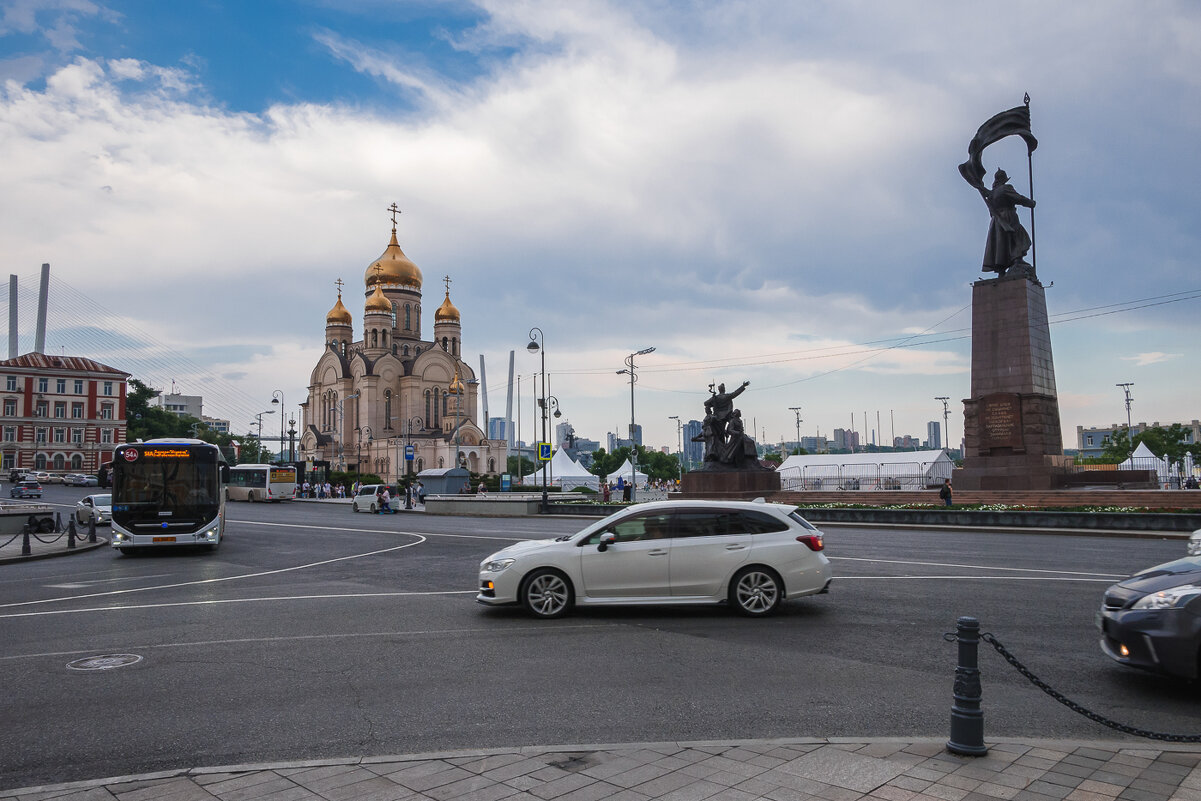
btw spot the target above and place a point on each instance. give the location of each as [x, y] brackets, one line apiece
[755, 592]
[547, 594]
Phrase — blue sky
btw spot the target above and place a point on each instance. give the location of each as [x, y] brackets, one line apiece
[760, 190]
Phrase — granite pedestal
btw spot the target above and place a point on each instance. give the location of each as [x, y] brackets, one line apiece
[1012, 437]
[719, 484]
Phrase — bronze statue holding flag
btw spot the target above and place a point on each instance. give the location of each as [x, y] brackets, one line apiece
[1007, 242]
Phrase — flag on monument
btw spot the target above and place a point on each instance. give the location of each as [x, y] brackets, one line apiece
[1014, 122]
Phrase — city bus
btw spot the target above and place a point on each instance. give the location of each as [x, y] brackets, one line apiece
[261, 482]
[168, 492]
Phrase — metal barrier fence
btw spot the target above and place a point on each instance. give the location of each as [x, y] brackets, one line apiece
[34, 528]
[859, 476]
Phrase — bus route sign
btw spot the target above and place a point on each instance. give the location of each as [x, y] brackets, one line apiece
[409, 453]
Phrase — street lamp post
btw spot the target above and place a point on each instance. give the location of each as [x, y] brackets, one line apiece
[1126, 388]
[277, 397]
[409, 462]
[538, 345]
[633, 446]
[341, 424]
[946, 416]
[797, 410]
[679, 444]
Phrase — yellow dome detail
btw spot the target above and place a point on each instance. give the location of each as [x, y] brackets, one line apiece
[446, 313]
[339, 314]
[377, 302]
[456, 386]
[393, 267]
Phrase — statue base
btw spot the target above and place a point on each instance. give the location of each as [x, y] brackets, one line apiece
[729, 484]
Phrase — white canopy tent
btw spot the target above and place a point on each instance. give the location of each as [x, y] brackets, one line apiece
[1143, 459]
[563, 472]
[851, 471]
[624, 471]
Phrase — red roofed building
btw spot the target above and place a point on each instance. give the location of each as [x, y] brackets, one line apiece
[60, 413]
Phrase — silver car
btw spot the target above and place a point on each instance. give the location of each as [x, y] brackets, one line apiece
[99, 507]
[750, 555]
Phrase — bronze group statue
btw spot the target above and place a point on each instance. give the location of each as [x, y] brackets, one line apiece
[727, 446]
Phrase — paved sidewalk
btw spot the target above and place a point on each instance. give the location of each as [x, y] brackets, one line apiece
[42, 546]
[779, 770]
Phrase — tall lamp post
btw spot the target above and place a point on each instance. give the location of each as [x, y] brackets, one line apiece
[341, 426]
[409, 462]
[630, 367]
[946, 416]
[277, 397]
[797, 410]
[679, 444]
[538, 345]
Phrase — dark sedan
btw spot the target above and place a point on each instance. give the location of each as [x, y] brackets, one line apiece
[1152, 620]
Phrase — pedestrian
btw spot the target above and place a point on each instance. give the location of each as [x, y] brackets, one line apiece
[945, 492]
[605, 492]
[481, 489]
[329, 490]
[304, 489]
[421, 493]
[385, 498]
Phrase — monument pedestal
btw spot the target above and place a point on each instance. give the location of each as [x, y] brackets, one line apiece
[1011, 432]
[719, 484]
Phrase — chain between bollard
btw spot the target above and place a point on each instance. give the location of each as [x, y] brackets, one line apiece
[1075, 707]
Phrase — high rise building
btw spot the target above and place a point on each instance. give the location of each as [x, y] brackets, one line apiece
[934, 435]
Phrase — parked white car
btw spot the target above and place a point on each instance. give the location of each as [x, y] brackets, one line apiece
[749, 554]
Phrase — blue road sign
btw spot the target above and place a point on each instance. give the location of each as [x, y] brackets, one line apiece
[544, 451]
[409, 453]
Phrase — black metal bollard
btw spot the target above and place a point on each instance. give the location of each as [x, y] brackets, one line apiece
[58, 522]
[92, 528]
[25, 549]
[967, 719]
[71, 533]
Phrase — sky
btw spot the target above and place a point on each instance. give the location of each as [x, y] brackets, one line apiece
[761, 191]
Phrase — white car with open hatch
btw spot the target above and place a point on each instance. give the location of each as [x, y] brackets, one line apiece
[749, 554]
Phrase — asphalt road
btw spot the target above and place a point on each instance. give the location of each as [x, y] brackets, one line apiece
[316, 632]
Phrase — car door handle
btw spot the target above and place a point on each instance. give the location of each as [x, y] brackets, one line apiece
[735, 547]
[657, 552]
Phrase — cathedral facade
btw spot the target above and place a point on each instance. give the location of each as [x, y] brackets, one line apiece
[371, 398]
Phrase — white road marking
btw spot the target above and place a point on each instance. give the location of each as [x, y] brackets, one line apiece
[838, 578]
[1109, 576]
[215, 602]
[199, 582]
[303, 637]
[515, 538]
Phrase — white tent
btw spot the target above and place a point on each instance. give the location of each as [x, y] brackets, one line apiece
[1144, 459]
[563, 472]
[849, 471]
[624, 473]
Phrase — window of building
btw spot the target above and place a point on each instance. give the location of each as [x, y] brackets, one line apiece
[10, 461]
[108, 387]
[11, 383]
[60, 435]
[106, 411]
[1088, 439]
[10, 433]
[78, 386]
[10, 407]
[43, 385]
[42, 410]
[76, 462]
[77, 436]
[60, 461]
[60, 409]
[39, 436]
[106, 436]
[77, 410]
[60, 386]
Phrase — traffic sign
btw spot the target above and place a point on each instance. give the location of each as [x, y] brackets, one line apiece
[544, 451]
[409, 453]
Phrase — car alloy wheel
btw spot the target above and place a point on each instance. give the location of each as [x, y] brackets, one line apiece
[547, 594]
[755, 591]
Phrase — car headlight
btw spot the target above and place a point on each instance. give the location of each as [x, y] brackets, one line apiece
[496, 565]
[1172, 598]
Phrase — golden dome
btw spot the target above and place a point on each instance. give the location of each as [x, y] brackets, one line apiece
[456, 386]
[393, 267]
[339, 314]
[377, 302]
[446, 313]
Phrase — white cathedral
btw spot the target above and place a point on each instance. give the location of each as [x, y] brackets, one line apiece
[369, 398]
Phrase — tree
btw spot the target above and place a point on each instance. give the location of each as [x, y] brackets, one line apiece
[775, 458]
[1170, 443]
[519, 466]
[143, 421]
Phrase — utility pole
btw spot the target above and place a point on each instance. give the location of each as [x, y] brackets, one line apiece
[946, 415]
[1126, 388]
[797, 411]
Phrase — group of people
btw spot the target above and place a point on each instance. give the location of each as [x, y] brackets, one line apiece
[321, 491]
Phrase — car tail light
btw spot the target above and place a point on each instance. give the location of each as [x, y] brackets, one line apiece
[813, 541]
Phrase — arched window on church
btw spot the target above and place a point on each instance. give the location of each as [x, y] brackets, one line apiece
[408, 317]
[427, 405]
[443, 343]
[445, 403]
[393, 348]
[374, 338]
[344, 349]
[454, 342]
[394, 306]
[387, 408]
[491, 465]
[406, 351]
[384, 340]
[420, 465]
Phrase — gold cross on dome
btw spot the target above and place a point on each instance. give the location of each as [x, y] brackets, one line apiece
[446, 280]
[395, 210]
[339, 285]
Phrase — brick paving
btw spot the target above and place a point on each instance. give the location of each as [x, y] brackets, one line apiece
[769, 770]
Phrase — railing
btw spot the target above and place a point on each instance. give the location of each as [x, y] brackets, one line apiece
[859, 476]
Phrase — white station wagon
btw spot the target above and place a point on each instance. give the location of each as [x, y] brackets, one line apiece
[749, 554]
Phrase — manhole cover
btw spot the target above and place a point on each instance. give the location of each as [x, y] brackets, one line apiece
[105, 662]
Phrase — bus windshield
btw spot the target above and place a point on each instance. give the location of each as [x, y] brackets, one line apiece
[168, 481]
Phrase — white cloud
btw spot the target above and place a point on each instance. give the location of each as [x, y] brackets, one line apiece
[1155, 357]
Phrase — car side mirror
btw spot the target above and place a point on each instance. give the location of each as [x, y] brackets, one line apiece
[607, 539]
